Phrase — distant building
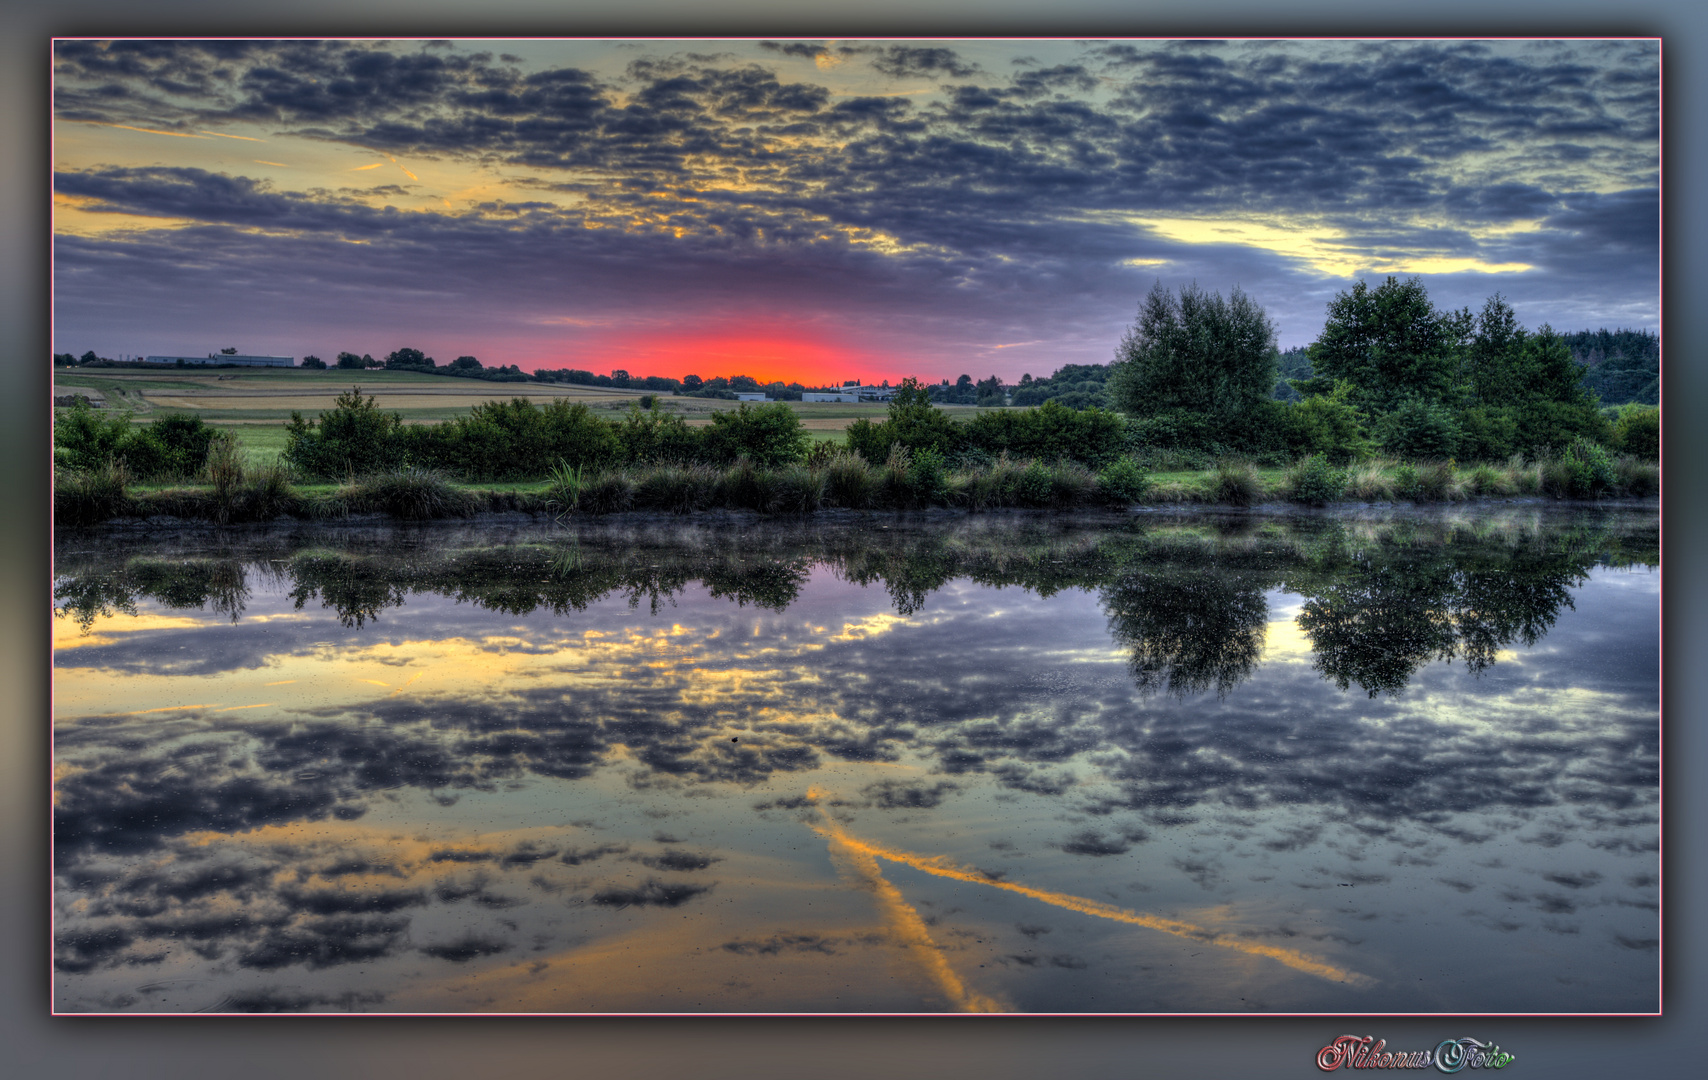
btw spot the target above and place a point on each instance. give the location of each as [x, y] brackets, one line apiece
[851, 394]
[227, 358]
[753, 397]
[874, 393]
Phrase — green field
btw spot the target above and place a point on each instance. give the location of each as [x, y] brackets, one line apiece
[254, 405]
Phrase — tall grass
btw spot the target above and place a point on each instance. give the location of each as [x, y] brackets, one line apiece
[88, 496]
[563, 487]
[410, 493]
[1236, 483]
[1368, 482]
[848, 480]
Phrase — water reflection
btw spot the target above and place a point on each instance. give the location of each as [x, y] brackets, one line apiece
[295, 770]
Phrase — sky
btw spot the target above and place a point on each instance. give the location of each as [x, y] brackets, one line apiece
[819, 211]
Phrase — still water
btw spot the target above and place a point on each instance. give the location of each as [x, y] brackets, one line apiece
[1401, 762]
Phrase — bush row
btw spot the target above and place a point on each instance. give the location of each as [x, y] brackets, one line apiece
[1328, 425]
[905, 480]
[176, 445]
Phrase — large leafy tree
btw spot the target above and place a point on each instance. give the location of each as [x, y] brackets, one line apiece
[1390, 343]
[1195, 353]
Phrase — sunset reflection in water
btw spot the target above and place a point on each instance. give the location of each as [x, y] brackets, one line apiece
[1193, 765]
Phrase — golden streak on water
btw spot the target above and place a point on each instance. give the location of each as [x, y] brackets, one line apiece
[904, 923]
[941, 866]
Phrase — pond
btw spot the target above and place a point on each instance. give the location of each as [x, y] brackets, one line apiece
[1389, 761]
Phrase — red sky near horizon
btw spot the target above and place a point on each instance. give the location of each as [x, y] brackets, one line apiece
[765, 357]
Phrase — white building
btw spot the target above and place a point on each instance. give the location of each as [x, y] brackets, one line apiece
[753, 397]
[848, 395]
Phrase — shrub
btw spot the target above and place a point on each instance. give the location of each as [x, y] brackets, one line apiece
[1487, 434]
[85, 440]
[1406, 482]
[1328, 425]
[410, 493]
[1236, 483]
[823, 452]
[1123, 482]
[184, 441]
[649, 435]
[1315, 482]
[1418, 429]
[1051, 432]
[1637, 431]
[1172, 429]
[1584, 471]
[768, 434]
[353, 438]
[928, 477]
[1033, 485]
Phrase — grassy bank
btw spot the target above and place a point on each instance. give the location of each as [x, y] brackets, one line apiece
[236, 490]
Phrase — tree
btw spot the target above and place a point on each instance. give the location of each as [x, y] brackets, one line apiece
[1556, 407]
[691, 383]
[349, 360]
[1197, 354]
[465, 363]
[1390, 343]
[230, 351]
[989, 393]
[408, 358]
[1490, 368]
[314, 362]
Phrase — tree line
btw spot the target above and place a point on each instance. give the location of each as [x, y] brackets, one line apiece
[1389, 373]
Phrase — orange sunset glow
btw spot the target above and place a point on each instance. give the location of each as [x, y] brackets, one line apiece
[765, 356]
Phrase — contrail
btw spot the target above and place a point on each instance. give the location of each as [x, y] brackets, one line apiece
[941, 866]
[904, 922]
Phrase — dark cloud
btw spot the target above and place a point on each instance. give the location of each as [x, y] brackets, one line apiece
[649, 894]
[274, 1000]
[327, 941]
[679, 861]
[1092, 843]
[909, 61]
[464, 949]
[1011, 200]
[577, 856]
[905, 795]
